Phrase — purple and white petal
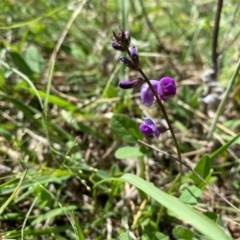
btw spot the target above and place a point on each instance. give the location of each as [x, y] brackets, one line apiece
[147, 96]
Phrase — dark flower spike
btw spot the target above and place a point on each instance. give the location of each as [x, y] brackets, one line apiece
[118, 46]
[166, 88]
[149, 128]
[134, 55]
[128, 84]
[127, 62]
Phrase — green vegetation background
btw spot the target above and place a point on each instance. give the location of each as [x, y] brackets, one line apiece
[58, 93]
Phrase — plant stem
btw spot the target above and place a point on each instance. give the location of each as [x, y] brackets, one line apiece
[215, 38]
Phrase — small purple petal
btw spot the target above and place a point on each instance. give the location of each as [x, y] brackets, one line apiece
[152, 125]
[147, 96]
[134, 54]
[145, 129]
[166, 88]
[149, 128]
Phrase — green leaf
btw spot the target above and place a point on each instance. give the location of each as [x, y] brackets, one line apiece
[203, 169]
[125, 128]
[128, 152]
[183, 211]
[232, 124]
[223, 148]
[20, 64]
[44, 198]
[34, 59]
[213, 216]
[124, 236]
[182, 233]
[160, 236]
[191, 195]
[2, 79]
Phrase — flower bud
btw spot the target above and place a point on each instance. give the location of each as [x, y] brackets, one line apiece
[127, 62]
[134, 55]
[118, 46]
[119, 36]
[128, 84]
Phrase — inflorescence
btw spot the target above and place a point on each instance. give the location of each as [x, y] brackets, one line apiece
[164, 87]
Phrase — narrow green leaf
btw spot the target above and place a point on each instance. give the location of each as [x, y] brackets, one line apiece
[2, 79]
[183, 211]
[128, 152]
[223, 148]
[14, 193]
[78, 229]
[54, 100]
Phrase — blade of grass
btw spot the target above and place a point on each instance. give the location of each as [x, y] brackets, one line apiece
[184, 212]
[224, 100]
[78, 229]
[24, 77]
[223, 148]
[22, 24]
[49, 72]
[13, 195]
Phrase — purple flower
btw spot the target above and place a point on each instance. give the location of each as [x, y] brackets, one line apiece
[165, 88]
[149, 128]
